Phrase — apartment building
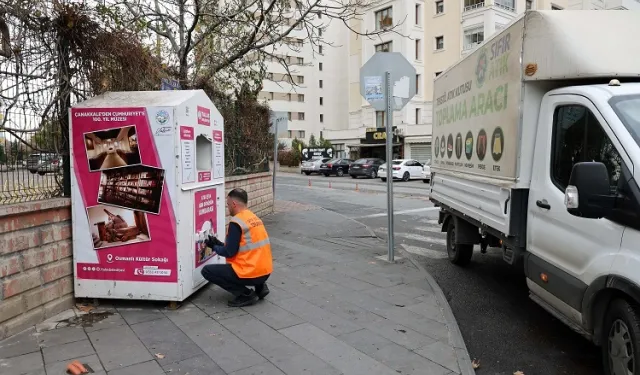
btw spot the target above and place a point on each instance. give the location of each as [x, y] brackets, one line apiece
[439, 32]
[313, 92]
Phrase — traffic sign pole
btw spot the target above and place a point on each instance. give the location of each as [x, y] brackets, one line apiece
[389, 114]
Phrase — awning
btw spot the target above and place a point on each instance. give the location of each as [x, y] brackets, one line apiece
[366, 145]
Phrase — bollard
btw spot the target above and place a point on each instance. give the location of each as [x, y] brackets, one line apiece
[309, 182]
[357, 187]
[329, 184]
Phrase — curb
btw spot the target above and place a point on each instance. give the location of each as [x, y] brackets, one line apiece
[462, 354]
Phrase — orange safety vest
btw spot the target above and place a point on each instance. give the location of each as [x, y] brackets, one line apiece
[254, 255]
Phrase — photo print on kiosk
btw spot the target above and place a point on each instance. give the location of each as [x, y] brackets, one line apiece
[115, 226]
[137, 187]
[112, 148]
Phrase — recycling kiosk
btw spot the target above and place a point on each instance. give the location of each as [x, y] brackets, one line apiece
[147, 180]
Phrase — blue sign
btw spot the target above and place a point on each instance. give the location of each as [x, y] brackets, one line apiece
[169, 84]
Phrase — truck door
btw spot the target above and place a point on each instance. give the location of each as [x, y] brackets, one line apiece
[569, 250]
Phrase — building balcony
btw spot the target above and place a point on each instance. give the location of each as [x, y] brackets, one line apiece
[473, 6]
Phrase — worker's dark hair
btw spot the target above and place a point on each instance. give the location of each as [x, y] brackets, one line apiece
[239, 195]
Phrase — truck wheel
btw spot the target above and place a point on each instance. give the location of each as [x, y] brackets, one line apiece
[459, 254]
[620, 335]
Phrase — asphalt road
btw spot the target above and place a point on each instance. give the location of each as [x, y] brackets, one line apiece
[501, 326]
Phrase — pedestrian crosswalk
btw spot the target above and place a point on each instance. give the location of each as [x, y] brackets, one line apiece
[424, 239]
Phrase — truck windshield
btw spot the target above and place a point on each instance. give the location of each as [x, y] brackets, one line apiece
[628, 110]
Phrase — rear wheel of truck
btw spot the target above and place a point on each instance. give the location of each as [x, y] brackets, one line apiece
[459, 254]
[620, 339]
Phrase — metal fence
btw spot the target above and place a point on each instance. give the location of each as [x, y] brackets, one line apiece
[31, 141]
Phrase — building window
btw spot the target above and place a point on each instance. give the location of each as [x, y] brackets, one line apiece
[438, 73]
[555, 7]
[300, 61]
[418, 49]
[417, 116]
[289, 133]
[298, 26]
[529, 5]
[418, 84]
[319, 14]
[440, 7]
[384, 18]
[473, 37]
[470, 5]
[270, 76]
[289, 97]
[418, 15]
[289, 114]
[338, 150]
[509, 5]
[320, 50]
[301, 134]
[320, 31]
[320, 66]
[321, 117]
[321, 100]
[271, 96]
[301, 116]
[300, 79]
[301, 97]
[384, 47]
[320, 83]
[379, 119]
[439, 42]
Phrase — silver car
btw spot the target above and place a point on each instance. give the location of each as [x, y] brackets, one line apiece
[312, 166]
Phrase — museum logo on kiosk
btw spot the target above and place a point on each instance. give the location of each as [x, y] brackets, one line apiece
[204, 116]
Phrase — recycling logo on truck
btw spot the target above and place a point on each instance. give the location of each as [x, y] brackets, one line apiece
[481, 68]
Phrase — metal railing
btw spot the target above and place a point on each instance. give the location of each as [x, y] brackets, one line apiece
[475, 6]
[505, 7]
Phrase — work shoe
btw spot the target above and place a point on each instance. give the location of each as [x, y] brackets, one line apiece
[244, 300]
[262, 290]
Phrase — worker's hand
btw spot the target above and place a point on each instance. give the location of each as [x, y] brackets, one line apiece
[213, 241]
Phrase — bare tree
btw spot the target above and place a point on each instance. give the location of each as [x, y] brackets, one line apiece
[227, 41]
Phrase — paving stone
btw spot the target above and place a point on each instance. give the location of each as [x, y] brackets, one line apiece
[278, 294]
[138, 315]
[345, 310]
[272, 315]
[328, 322]
[430, 309]
[417, 322]
[441, 354]
[187, 313]
[399, 334]
[71, 350]
[199, 365]
[263, 369]
[22, 343]
[146, 368]
[335, 352]
[61, 336]
[390, 296]
[410, 291]
[279, 350]
[110, 321]
[119, 347]
[22, 364]
[365, 341]
[407, 362]
[344, 280]
[213, 301]
[165, 338]
[226, 350]
[60, 368]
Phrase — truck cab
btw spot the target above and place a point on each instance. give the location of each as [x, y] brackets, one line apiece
[583, 220]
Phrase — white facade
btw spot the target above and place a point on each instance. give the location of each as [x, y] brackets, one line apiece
[317, 99]
[443, 32]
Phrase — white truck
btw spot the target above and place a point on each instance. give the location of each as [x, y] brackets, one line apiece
[537, 152]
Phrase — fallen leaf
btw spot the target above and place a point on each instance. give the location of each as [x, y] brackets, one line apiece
[518, 373]
[476, 364]
[159, 356]
[84, 308]
[401, 330]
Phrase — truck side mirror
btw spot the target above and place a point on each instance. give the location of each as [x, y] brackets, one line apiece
[589, 192]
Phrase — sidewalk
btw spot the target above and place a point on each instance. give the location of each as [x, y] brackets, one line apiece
[333, 309]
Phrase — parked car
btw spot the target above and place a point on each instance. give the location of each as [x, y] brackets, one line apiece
[339, 167]
[35, 160]
[403, 169]
[53, 166]
[426, 172]
[365, 167]
[312, 166]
